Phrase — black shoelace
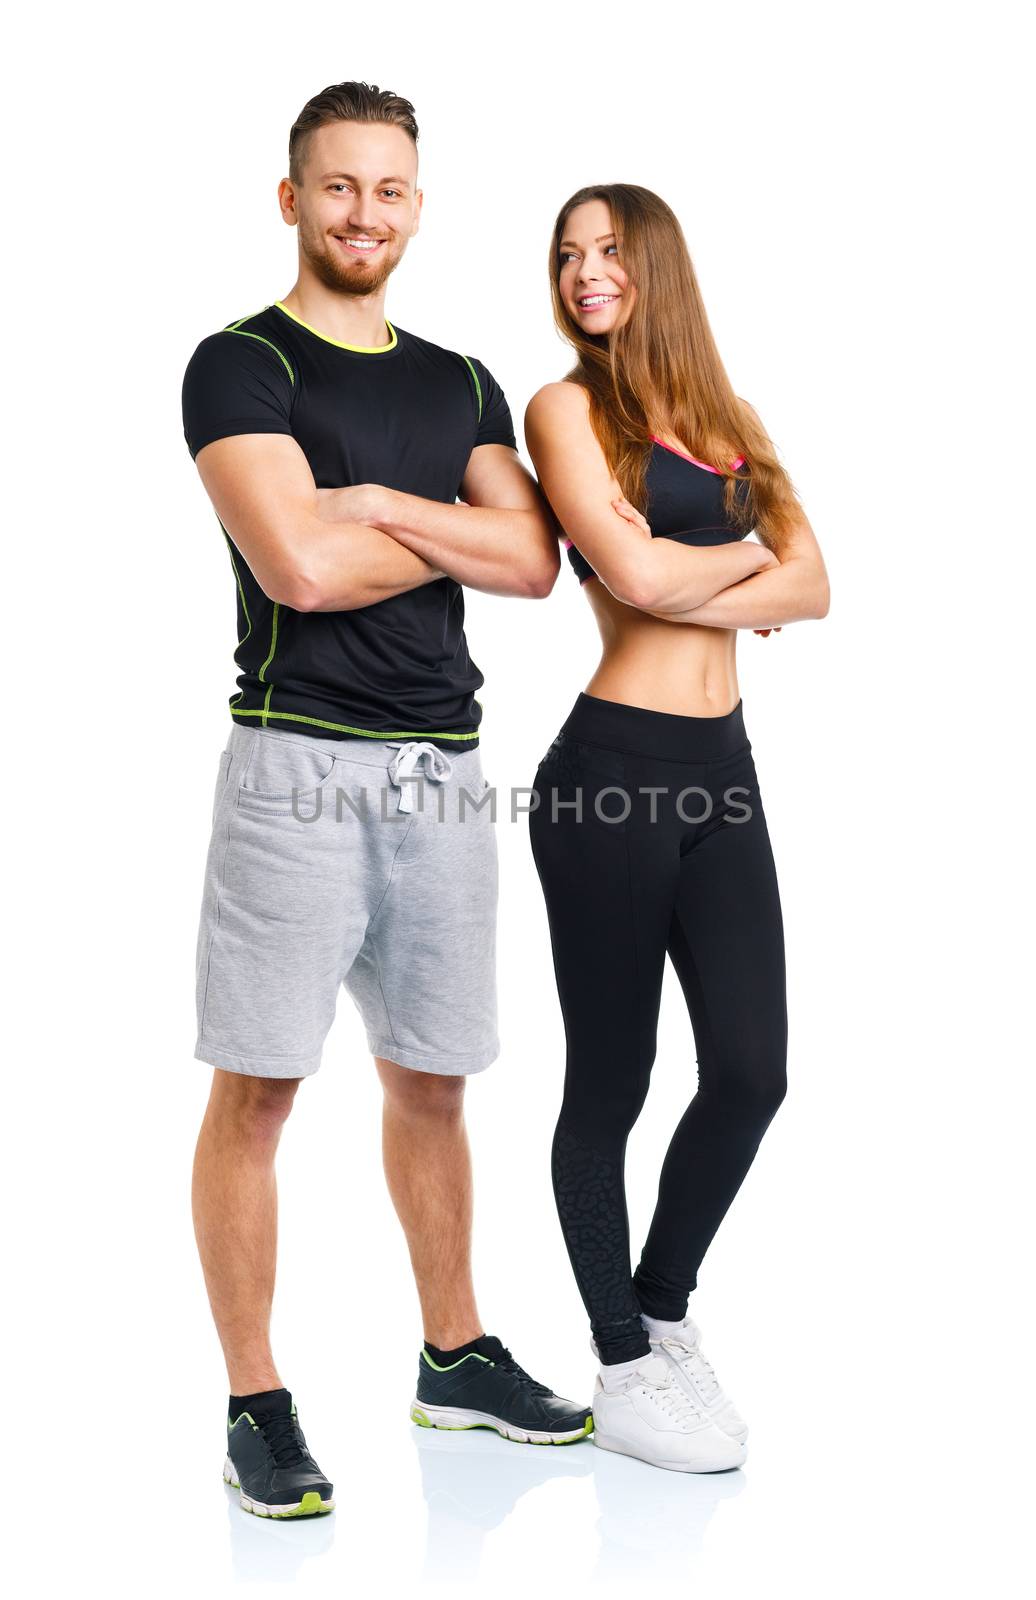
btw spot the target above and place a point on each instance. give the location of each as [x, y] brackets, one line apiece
[285, 1442]
[509, 1364]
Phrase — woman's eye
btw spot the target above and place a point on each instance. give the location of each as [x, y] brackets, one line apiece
[611, 247]
[567, 255]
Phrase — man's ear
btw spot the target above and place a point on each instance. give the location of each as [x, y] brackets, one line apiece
[286, 201]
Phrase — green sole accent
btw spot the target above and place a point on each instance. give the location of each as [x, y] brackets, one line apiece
[310, 1505]
[470, 1427]
[343, 727]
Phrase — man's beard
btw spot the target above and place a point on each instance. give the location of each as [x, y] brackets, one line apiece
[336, 273]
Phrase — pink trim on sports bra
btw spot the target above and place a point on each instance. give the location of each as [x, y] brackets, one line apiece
[738, 461]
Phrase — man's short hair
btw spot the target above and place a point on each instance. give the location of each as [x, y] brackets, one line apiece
[346, 102]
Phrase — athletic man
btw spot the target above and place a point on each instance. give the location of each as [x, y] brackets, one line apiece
[334, 447]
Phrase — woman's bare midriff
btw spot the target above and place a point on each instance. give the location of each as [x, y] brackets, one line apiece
[662, 666]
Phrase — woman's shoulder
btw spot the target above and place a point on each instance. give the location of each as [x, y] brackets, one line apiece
[559, 409]
[562, 398]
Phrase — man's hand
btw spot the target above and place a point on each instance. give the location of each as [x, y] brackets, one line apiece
[500, 539]
[359, 502]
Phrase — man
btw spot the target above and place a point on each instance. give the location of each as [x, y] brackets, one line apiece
[334, 447]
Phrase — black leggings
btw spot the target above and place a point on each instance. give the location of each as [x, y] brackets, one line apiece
[688, 871]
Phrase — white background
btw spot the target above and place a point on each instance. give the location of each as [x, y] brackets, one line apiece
[850, 183]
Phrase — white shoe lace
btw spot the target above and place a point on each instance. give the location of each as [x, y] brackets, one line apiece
[671, 1399]
[686, 1352]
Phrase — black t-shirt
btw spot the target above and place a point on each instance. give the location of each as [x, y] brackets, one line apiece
[406, 415]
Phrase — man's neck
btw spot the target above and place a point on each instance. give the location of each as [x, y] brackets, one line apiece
[351, 319]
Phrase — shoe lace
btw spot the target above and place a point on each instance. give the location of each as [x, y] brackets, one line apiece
[284, 1438]
[672, 1399]
[506, 1360]
[688, 1355]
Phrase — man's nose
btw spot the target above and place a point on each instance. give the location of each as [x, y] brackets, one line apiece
[362, 214]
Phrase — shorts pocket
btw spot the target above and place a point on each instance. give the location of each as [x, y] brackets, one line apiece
[280, 772]
[222, 775]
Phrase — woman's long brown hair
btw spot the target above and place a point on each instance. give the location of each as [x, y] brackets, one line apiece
[660, 372]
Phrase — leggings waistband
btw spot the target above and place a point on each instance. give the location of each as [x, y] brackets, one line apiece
[637, 731]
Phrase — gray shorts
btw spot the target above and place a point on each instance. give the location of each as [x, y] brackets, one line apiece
[391, 889]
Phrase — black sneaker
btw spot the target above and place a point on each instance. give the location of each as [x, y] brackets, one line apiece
[268, 1461]
[488, 1389]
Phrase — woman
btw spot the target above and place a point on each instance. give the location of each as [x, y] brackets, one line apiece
[649, 836]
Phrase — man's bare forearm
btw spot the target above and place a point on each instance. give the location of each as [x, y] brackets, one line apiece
[354, 565]
[497, 550]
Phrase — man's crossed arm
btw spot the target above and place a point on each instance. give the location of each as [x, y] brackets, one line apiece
[339, 549]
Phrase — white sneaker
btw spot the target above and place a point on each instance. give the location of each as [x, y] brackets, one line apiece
[649, 1414]
[682, 1350]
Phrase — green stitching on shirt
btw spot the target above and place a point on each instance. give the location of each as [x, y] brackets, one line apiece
[266, 663]
[361, 349]
[244, 602]
[478, 386]
[270, 346]
[287, 716]
[343, 727]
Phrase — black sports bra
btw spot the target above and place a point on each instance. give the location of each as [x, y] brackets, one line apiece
[681, 504]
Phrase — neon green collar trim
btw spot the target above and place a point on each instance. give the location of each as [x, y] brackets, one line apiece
[363, 349]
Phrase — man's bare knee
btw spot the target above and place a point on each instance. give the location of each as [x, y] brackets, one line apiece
[252, 1108]
[421, 1094]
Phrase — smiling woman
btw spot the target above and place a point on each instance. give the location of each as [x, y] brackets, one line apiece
[601, 258]
[657, 473]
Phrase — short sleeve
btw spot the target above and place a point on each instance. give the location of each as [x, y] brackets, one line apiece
[235, 383]
[495, 425]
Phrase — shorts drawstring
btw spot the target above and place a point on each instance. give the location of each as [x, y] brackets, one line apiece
[405, 768]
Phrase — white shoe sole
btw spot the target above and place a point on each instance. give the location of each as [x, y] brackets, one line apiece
[310, 1505]
[622, 1447]
[453, 1419]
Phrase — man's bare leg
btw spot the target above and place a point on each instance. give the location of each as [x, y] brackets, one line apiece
[234, 1198]
[428, 1170]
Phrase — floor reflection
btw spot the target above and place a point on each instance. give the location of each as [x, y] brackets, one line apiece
[472, 1481]
[650, 1522]
[264, 1549]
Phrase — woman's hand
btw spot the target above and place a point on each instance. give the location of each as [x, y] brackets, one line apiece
[630, 514]
[764, 633]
